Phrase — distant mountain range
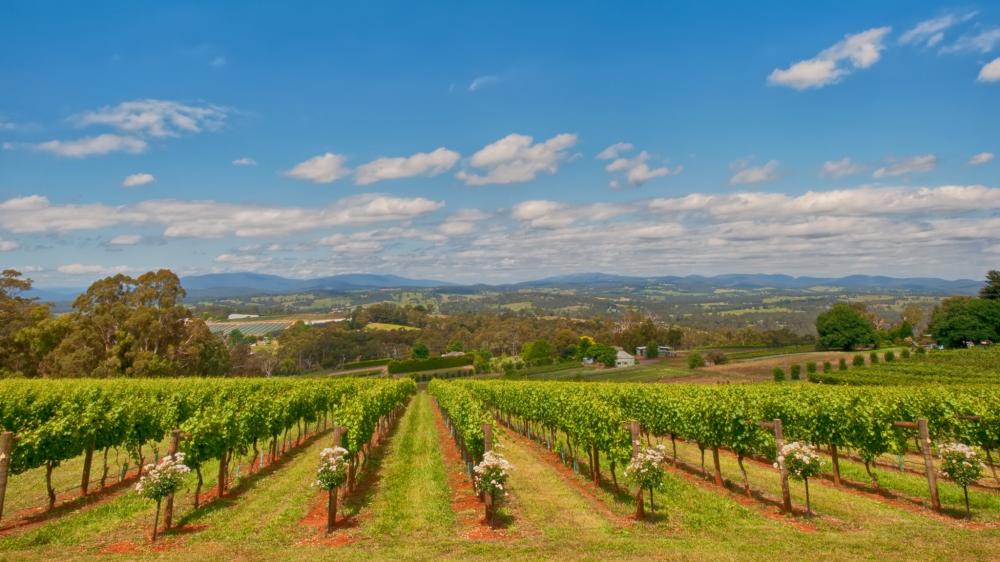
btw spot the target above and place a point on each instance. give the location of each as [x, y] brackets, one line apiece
[777, 281]
[218, 285]
[245, 284]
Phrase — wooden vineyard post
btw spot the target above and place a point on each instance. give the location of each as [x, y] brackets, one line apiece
[6, 446]
[640, 509]
[487, 447]
[88, 460]
[779, 442]
[924, 439]
[836, 464]
[168, 514]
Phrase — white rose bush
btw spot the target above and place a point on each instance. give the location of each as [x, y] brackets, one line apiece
[961, 464]
[491, 479]
[646, 470]
[331, 474]
[802, 463]
[162, 480]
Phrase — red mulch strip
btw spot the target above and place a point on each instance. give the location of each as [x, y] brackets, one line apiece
[465, 503]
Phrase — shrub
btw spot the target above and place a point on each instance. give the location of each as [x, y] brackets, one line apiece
[779, 374]
[811, 367]
[842, 365]
[873, 358]
[921, 351]
[695, 360]
[796, 372]
[827, 367]
[905, 354]
[890, 356]
[859, 361]
[717, 357]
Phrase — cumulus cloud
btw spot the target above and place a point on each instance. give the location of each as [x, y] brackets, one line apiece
[990, 71]
[420, 164]
[541, 213]
[461, 222]
[325, 168]
[636, 170]
[244, 162]
[135, 180]
[92, 146]
[854, 52]
[841, 168]
[209, 219]
[83, 269]
[913, 165]
[981, 158]
[744, 173]
[931, 32]
[482, 81]
[156, 118]
[517, 158]
[125, 240]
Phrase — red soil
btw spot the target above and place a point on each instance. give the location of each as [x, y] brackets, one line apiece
[465, 503]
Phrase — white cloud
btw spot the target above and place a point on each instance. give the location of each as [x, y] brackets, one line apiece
[462, 222]
[613, 151]
[637, 171]
[931, 32]
[912, 165]
[982, 42]
[244, 261]
[156, 118]
[92, 146]
[325, 168]
[540, 213]
[981, 158]
[515, 158]
[858, 51]
[135, 180]
[990, 72]
[125, 240]
[82, 269]
[244, 162]
[420, 164]
[209, 219]
[746, 174]
[841, 168]
[482, 81]
[8, 245]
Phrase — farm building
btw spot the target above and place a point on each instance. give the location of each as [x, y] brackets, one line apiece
[624, 359]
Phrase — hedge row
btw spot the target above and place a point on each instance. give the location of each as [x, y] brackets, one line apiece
[366, 363]
[416, 365]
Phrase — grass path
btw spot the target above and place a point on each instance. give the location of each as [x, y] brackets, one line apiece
[413, 497]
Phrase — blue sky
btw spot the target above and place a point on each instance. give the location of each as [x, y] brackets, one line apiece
[495, 142]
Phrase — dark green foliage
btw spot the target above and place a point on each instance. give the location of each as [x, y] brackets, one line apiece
[796, 372]
[844, 327]
[827, 367]
[961, 319]
[858, 361]
[991, 291]
[905, 354]
[890, 356]
[811, 367]
[873, 358]
[420, 351]
[779, 374]
[416, 365]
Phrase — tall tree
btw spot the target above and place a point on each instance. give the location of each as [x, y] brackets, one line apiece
[991, 290]
[845, 327]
